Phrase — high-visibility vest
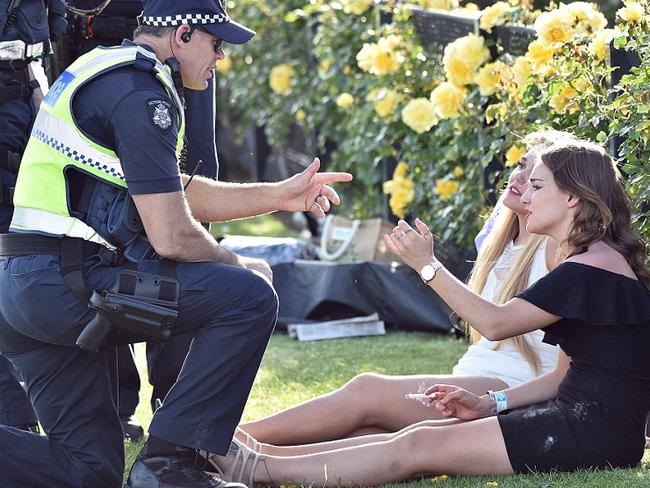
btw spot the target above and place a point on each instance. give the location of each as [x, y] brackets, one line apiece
[57, 143]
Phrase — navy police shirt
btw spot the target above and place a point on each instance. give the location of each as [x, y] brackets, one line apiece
[129, 111]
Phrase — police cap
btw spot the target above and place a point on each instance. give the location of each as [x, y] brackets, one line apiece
[209, 14]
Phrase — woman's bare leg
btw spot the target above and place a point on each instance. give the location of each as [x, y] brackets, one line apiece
[417, 451]
[288, 451]
[367, 401]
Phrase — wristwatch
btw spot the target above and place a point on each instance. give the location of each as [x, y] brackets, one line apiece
[428, 271]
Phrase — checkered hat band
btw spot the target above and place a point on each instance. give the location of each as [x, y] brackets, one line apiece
[172, 20]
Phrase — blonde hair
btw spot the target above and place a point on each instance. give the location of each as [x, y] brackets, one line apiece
[506, 229]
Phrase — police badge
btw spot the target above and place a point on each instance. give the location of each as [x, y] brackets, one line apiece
[159, 111]
[161, 116]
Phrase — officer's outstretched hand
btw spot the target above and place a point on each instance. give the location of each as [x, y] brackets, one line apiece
[311, 191]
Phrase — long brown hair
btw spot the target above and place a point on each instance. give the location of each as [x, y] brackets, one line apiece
[604, 213]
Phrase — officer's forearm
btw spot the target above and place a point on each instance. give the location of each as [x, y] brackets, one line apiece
[215, 201]
[192, 243]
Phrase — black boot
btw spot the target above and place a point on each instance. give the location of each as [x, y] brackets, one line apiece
[131, 428]
[177, 469]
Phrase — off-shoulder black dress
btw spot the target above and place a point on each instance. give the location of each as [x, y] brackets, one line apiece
[598, 418]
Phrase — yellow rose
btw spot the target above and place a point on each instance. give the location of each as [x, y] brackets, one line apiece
[392, 41]
[366, 56]
[599, 46]
[379, 58]
[586, 17]
[280, 78]
[356, 7]
[458, 171]
[224, 65]
[555, 27]
[385, 62]
[399, 201]
[514, 154]
[632, 12]
[386, 102]
[522, 68]
[437, 4]
[300, 115]
[474, 48]
[447, 99]
[496, 111]
[445, 189]
[463, 57]
[488, 78]
[494, 15]
[324, 66]
[539, 53]
[559, 101]
[459, 72]
[420, 115]
[345, 100]
[401, 191]
[400, 170]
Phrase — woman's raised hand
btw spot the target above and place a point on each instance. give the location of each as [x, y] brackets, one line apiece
[453, 401]
[413, 246]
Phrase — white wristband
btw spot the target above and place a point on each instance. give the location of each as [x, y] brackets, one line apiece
[500, 400]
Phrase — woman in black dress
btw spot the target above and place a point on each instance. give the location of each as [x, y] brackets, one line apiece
[588, 413]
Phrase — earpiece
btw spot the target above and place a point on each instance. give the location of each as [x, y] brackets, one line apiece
[187, 36]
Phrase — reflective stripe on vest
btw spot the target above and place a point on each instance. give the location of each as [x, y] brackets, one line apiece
[56, 143]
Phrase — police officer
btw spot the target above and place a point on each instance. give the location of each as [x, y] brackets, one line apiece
[116, 23]
[99, 180]
[25, 28]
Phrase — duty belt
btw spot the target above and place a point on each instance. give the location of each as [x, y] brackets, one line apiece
[18, 50]
[15, 83]
[138, 307]
[71, 250]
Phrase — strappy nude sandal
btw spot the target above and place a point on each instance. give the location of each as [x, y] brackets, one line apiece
[249, 440]
[245, 461]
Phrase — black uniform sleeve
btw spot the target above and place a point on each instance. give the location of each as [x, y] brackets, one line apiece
[145, 130]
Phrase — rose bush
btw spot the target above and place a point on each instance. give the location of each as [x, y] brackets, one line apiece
[354, 76]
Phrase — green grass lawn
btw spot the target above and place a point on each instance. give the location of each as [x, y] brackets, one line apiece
[292, 372]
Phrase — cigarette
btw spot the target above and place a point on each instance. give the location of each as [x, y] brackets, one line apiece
[418, 397]
[415, 396]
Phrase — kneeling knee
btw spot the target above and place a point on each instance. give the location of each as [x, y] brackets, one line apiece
[262, 299]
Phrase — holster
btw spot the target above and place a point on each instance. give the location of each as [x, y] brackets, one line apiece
[139, 307]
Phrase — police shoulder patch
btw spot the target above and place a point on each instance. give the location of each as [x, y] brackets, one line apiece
[160, 112]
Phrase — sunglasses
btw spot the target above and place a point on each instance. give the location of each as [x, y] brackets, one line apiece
[218, 43]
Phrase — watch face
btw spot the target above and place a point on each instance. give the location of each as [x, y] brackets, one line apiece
[427, 272]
